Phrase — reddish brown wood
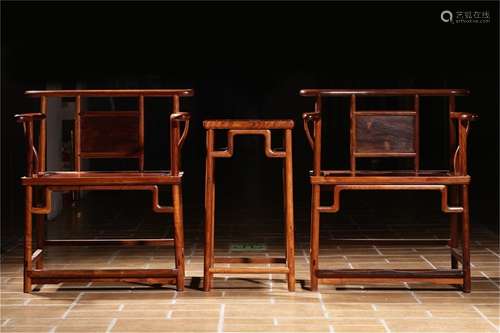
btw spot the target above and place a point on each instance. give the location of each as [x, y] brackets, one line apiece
[112, 93]
[250, 270]
[392, 134]
[28, 235]
[248, 127]
[353, 132]
[453, 226]
[102, 134]
[385, 134]
[77, 133]
[141, 133]
[390, 241]
[467, 282]
[249, 260]
[384, 92]
[85, 178]
[99, 273]
[248, 124]
[43, 134]
[389, 276]
[396, 178]
[208, 258]
[151, 281]
[110, 242]
[416, 136]
[288, 206]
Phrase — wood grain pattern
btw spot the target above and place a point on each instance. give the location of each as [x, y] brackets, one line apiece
[384, 92]
[385, 134]
[248, 127]
[248, 124]
[111, 92]
[102, 134]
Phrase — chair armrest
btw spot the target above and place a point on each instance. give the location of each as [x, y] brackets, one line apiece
[464, 116]
[25, 117]
[178, 117]
[307, 117]
[177, 139]
[460, 156]
[311, 116]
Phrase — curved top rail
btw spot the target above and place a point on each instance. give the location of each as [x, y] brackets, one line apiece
[111, 92]
[384, 92]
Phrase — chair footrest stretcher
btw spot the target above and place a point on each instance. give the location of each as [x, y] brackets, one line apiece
[104, 273]
[250, 260]
[249, 270]
[111, 242]
[382, 275]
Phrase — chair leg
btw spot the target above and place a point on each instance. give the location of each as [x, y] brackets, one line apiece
[466, 240]
[40, 231]
[283, 178]
[178, 236]
[453, 225]
[28, 250]
[209, 191]
[290, 232]
[314, 245]
[212, 235]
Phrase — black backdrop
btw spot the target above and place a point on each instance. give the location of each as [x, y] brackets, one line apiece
[249, 60]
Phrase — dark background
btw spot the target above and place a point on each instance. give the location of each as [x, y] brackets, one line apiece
[249, 60]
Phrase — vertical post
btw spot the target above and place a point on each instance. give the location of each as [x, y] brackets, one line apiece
[174, 139]
[453, 192]
[28, 250]
[317, 139]
[178, 235]
[209, 210]
[352, 146]
[453, 189]
[314, 242]
[43, 135]
[40, 219]
[452, 133]
[462, 141]
[29, 147]
[40, 233]
[77, 138]
[283, 179]
[466, 240]
[416, 136]
[77, 133]
[290, 248]
[141, 133]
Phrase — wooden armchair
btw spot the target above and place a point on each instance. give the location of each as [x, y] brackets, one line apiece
[101, 134]
[386, 134]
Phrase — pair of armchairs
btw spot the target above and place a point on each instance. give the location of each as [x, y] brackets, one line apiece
[120, 134]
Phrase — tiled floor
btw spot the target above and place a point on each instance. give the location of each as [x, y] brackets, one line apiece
[252, 303]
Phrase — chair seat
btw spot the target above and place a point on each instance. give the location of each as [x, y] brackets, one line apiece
[337, 177]
[76, 178]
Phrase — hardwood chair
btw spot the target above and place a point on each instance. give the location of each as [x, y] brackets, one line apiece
[248, 127]
[101, 134]
[385, 134]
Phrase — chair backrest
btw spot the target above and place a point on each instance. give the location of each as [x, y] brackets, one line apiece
[106, 134]
[383, 133]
